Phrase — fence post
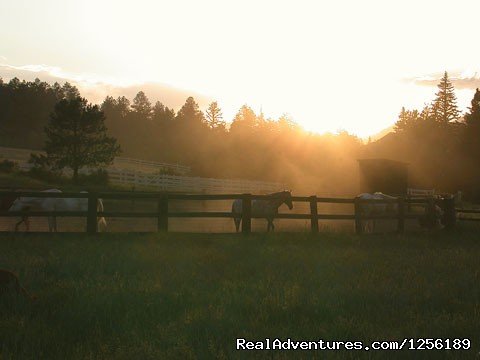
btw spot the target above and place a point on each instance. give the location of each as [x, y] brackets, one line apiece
[450, 217]
[162, 221]
[314, 214]
[92, 213]
[246, 213]
[358, 219]
[401, 215]
[431, 212]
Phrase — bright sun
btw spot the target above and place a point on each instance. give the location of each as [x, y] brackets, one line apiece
[331, 65]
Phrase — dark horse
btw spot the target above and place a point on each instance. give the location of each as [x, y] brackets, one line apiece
[266, 208]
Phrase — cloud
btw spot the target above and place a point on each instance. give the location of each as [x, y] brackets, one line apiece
[95, 88]
[460, 80]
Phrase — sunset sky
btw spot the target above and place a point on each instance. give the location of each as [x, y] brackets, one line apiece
[331, 65]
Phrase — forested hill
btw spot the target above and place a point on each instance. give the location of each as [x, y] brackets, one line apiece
[441, 145]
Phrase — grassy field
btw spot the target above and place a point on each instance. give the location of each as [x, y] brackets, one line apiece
[189, 296]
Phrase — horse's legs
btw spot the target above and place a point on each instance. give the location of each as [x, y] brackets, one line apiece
[52, 224]
[18, 224]
[237, 223]
[370, 226]
[25, 220]
[270, 225]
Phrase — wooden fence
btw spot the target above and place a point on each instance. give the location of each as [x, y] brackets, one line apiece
[163, 214]
[461, 212]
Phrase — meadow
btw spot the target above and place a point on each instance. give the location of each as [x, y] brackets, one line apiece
[189, 296]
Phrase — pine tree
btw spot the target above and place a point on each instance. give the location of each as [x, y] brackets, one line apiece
[190, 113]
[77, 136]
[471, 133]
[142, 106]
[161, 114]
[69, 91]
[245, 120]
[445, 103]
[407, 120]
[472, 118]
[214, 117]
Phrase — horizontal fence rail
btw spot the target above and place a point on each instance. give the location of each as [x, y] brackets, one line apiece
[163, 214]
[460, 212]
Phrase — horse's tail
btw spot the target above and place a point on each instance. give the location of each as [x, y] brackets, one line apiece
[101, 219]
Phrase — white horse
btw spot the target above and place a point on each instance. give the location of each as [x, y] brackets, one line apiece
[54, 204]
[81, 204]
[368, 209]
[432, 217]
[266, 208]
[36, 204]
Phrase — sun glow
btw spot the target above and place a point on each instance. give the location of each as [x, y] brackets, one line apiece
[331, 65]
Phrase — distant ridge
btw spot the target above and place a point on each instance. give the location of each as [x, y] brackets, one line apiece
[382, 133]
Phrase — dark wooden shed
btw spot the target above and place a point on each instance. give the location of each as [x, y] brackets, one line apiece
[387, 176]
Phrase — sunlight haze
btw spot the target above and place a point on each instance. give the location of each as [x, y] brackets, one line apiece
[331, 65]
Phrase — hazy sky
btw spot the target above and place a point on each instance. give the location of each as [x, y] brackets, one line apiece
[329, 64]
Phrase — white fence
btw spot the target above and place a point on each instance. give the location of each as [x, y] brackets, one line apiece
[420, 192]
[23, 155]
[149, 166]
[182, 183]
[192, 184]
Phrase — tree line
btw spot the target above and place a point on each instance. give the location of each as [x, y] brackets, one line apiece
[440, 144]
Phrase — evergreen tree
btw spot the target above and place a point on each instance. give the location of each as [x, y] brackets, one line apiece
[123, 106]
[190, 113]
[471, 134]
[245, 120]
[472, 118]
[445, 104]
[215, 117]
[161, 114]
[407, 120]
[77, 136]
[286, 123]
[69, 91]
[142, 106]
[471, 146]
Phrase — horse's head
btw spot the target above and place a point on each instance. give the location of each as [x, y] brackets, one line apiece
[287, 199]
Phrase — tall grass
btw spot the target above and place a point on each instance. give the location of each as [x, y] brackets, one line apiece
[189, 296]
